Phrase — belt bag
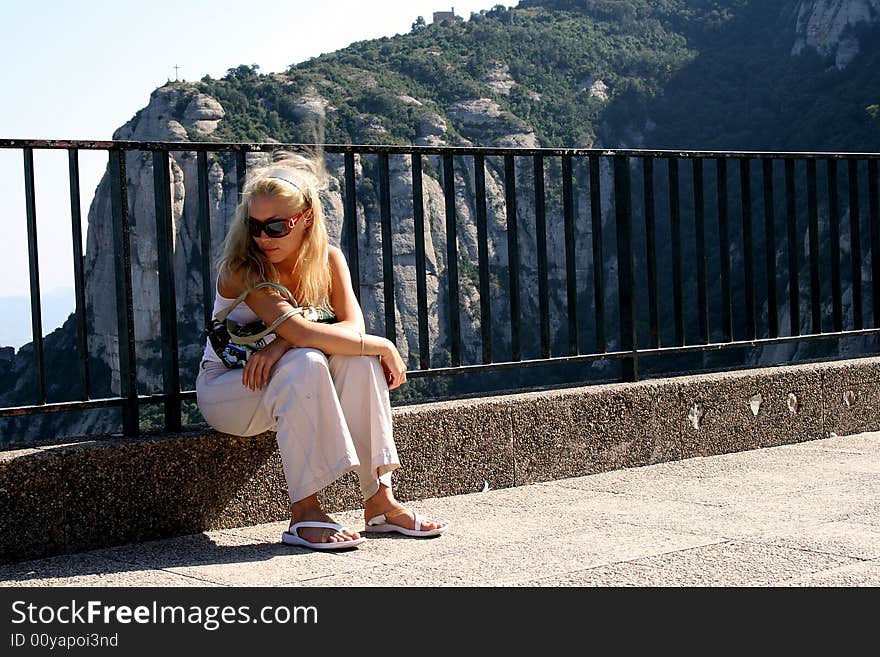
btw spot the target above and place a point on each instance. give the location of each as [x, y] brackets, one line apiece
[234, 342]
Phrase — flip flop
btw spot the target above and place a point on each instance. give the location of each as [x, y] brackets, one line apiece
[380, 523]
[292, 537]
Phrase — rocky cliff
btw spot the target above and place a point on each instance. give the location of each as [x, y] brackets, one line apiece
[829, 26]
[476, 118]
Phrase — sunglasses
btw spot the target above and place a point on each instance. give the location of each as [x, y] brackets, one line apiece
[273, 227]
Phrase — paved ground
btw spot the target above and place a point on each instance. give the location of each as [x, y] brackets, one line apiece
[802, 515]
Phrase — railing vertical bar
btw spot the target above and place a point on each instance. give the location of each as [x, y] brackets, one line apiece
[452, 260]
[770, 246]
[724, 248]
[34, 267]
[675, 225]
[208, 283]
[598, 258]
[541, 244]
[745, 182]
[855, 242]
[874, 216]
[167, 296]
[834, 237]
[240, 173]
[483, 255]
[700, 235]
[421, 273]
[570, 264]
[813, 229]
[350, 220]
[651, 249]
[625, 292]
[387, 251]
[513, 263]
[793, 287]
[124, 300]
[78, 272]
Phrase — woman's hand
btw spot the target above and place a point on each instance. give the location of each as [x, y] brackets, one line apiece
[259, 364]
[394, 367]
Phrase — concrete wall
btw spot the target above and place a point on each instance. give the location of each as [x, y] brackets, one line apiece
[113, 491]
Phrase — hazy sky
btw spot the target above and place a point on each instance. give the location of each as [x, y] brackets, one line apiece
[80, 69]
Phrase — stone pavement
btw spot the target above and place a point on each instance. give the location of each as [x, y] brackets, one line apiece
[798, 515]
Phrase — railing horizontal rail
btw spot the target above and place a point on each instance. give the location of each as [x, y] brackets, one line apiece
[105, 402]
[660, 351]
[391, 149]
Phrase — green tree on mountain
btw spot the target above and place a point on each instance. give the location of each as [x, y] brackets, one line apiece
[706, 73]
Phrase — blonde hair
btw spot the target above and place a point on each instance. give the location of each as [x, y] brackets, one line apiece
[297, 179]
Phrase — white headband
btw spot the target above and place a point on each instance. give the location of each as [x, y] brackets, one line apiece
[286, 176]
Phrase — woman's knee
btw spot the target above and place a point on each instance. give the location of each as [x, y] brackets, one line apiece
[303, 357]
[363, 366]
[304, 353]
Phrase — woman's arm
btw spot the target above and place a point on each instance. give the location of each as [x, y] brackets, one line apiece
[347, 337]
[342, 297]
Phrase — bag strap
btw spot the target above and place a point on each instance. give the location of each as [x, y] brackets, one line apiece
[221, 316]
[250, 339]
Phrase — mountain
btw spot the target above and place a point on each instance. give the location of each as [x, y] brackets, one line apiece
[580, 73]
[681, 74]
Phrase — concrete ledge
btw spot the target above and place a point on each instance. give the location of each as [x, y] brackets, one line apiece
[100, 493]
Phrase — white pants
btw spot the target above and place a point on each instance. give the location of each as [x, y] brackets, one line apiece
[331, 415]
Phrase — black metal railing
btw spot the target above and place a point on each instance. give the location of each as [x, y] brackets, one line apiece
[685, 265]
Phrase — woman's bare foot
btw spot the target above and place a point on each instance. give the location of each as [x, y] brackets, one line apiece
[383, 503]
[310, 509]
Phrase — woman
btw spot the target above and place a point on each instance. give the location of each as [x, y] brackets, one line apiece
[322, 387]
